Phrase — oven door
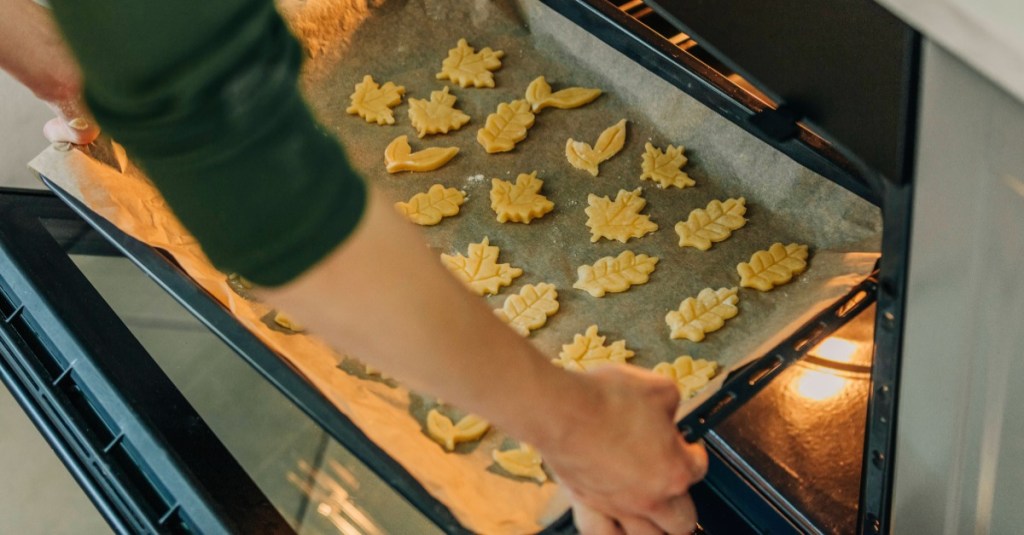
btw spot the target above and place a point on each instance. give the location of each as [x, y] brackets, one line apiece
[158, 420]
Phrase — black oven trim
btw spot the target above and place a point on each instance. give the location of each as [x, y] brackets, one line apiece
[137, 448]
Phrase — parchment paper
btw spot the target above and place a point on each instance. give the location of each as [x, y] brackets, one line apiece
[404, 42]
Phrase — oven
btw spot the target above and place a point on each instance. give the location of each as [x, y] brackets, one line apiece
[803, 437]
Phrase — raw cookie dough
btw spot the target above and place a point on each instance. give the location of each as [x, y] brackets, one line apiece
[587, 352]
[774, 267]
[615, 274]
[539, 95]
[468, 68]
[688, 374]
[430, 207]
[436, 116]
[665, 168]
[448, 434]
[398, 156]
[286, 321]
[619, 219]
[523, 461]
[703, 314]
[481, 270]
[713, 224]
[373, 102]
[506, 127]
[529, 309]
[582, 156]
[520, 202]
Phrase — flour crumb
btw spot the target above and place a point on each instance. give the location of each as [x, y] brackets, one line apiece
[475, 179]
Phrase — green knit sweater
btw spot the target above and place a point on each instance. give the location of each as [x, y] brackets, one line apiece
[203, 94]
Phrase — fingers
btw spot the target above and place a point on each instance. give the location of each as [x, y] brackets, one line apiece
[73, 124]
[590, 522]
[634, 525]
[676, 515]
[698, 460]
[78, 131]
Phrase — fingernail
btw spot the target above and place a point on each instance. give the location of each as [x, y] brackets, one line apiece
[78, 123]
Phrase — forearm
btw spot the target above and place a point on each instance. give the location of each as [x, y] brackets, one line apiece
[33, 51]
[384, 297]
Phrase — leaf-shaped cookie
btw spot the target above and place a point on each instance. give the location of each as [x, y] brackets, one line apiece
[506, 127]
[583, 156]
[287, 322]
[448, 434]
[529, 309]
[619, 219]
[703, 314]
[615, 274]
[373, 102]
[713, 224]
[774, 267]
[468, 68]
[398, 156]
[539, 95]
[665, 168]
[520, 202]
[481, 270]
[430, 207]
[523, 461]
[436, 116]
[587, 351]
[688, 374]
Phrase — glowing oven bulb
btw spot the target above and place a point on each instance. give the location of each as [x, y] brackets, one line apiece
[818, 385]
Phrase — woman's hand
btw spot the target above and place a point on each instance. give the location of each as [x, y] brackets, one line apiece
[34, 52]
[626, 466]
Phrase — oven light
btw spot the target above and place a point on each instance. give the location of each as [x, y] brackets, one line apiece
[835, 349]
[818, 385]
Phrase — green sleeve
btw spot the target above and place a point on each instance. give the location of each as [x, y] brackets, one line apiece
[203, 94]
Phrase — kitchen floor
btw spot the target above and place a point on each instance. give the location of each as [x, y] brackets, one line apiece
[308, 476]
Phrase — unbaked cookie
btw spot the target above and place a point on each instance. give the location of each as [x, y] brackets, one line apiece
[529, 309]
[688, 374]
[665, 168]
[582, 156]
[481, 270]
[703, 314]
[467, 68]
[587, 352]
[373, 102]
[520, 202]
[506, 127]
[615, 274]
[539, 95]
[619, 219]
[713, 224]
[436, 116]
[398, 156]
[523, 461]
[448, 434]
[429, 208]
[774, 267]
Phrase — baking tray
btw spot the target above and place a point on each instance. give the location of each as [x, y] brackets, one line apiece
[788, 202]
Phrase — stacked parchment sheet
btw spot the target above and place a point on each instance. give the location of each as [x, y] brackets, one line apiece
[405, 43]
